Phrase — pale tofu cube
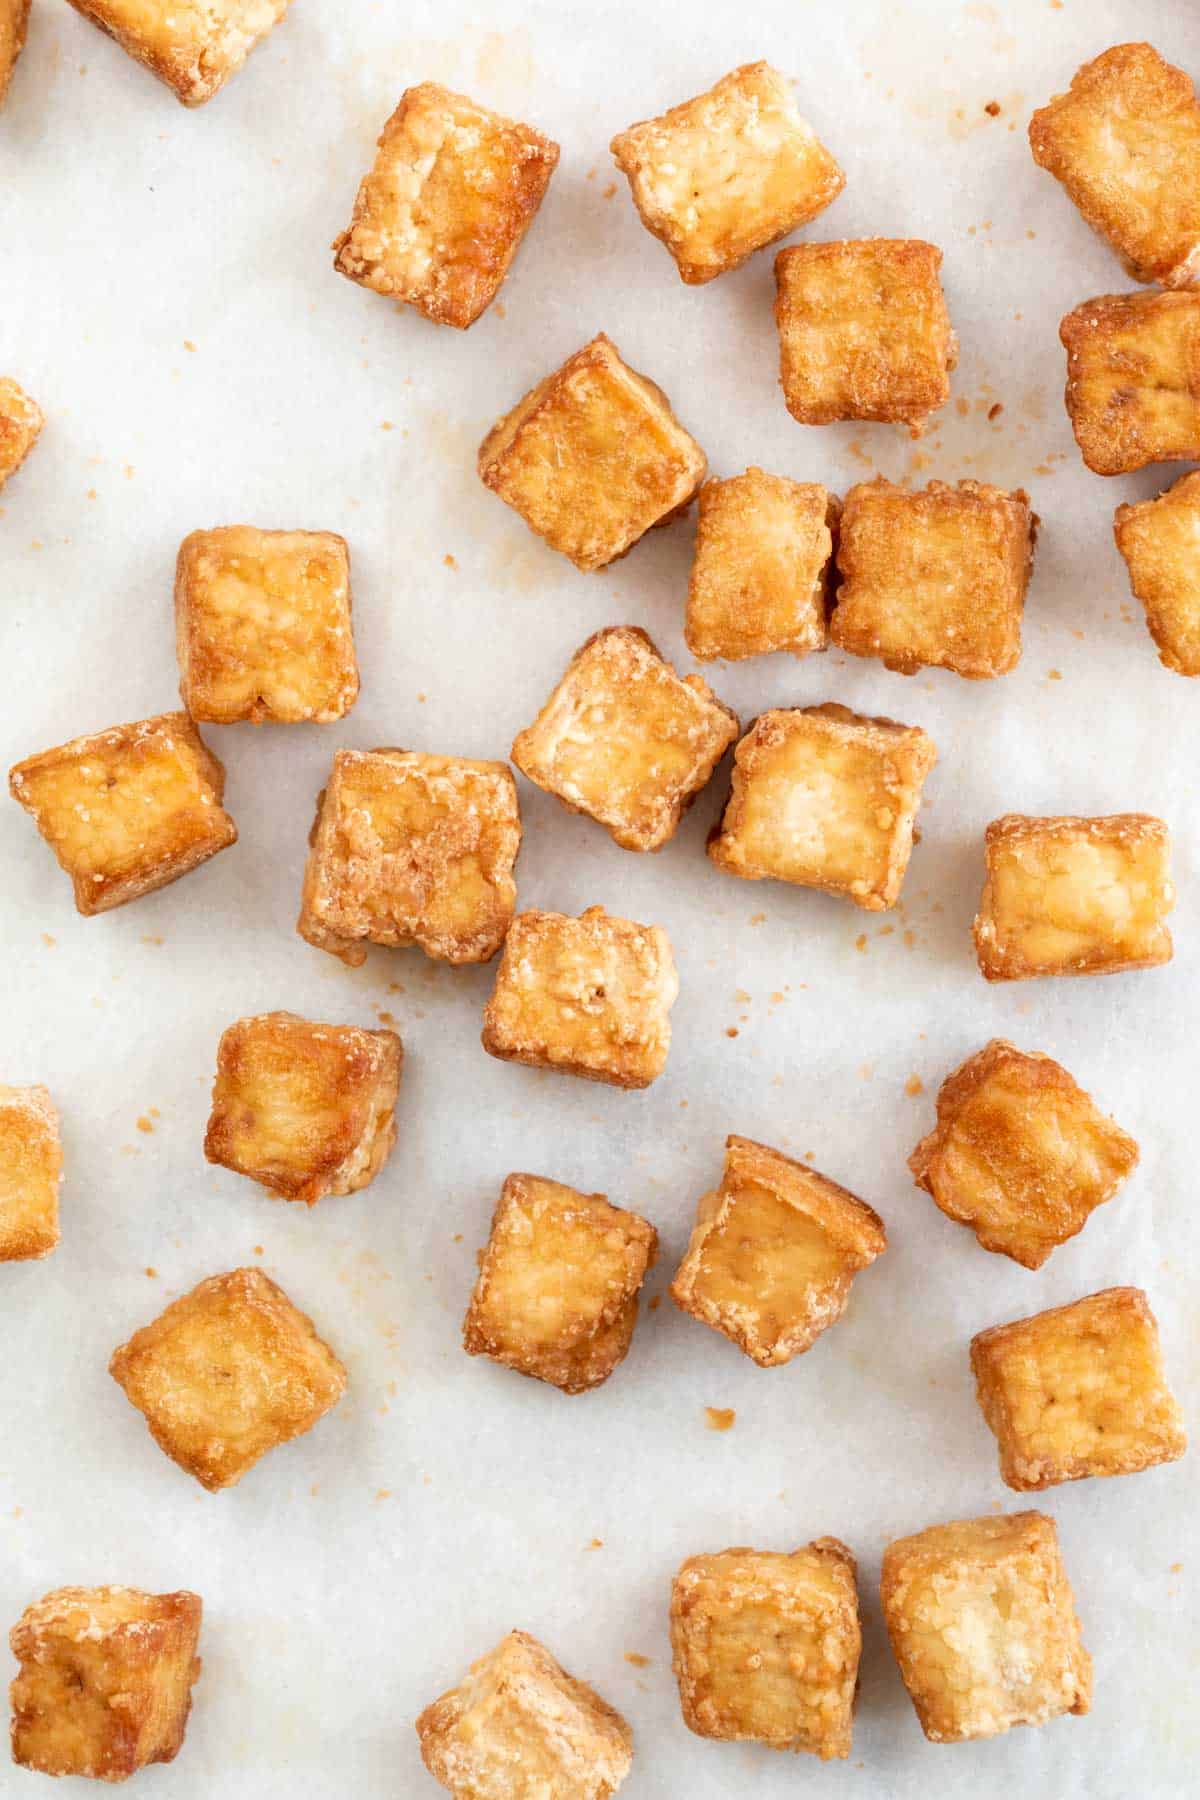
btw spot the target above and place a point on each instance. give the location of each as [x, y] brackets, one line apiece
[760, 578]
[21, 417]
[1133, 379]
[30, 1173]
[14, 20]
[1160, 541]
[194, 46]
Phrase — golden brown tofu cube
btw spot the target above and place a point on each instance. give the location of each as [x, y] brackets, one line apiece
[226, 1373]
[21, 418]
[518, 1727]
[30, 1173]
[773, 1253]
[441, 215]
[593, 457]
[760, 577]
[14, 20]
[726, 173]
[1079, 1390]
[863, 331]
[262, 626]
[934, 579]
[1070, 896]
[105, 1684]
[1133, 379]
[982, 1622]
[412, 849]
[129, 810]
[194, 46]
[824, 798]
[1160, 541]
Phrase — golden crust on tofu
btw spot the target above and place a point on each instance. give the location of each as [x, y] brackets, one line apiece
[593, 457]
[30, 1173]
[129, 810]
[21, 418]
[14, 20]
[1160, 541]
[761, 572]
[982, 1622]
[442, 212]
[1073, 896]
[105, 1683]
[1079, 1390]
[773, 1253]
[1133, 379]
[194, 46]
[226, 1373]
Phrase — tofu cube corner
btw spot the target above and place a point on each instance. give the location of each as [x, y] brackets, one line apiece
[193, 48]
[761, 573]
[21, 418]
[30, 1173]
[1160, 542]
[1133, 379]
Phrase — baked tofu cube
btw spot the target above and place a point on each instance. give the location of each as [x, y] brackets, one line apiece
[824, 798]
[1133, 379]
[863, 331]
[21, 418]
[520, 1728]
[105, 1683]
[30, 1173]
[226, 1373]
[441, 215]
[1160, 541]
[129, 810]
[934, 579]
[593, 457]
[1070, 896]
[760, 577]
[982, 1622]
[590, 996]
[14, 18]
[193, 48]
[262, 626]
[766, 1646]
[1076, 1391]
[412, 849]
[773, 1253]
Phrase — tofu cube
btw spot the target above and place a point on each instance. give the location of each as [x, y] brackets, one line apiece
[625, 739]
[934, 579]
[773, 1253]
[226, 1373]
[766, 1646]
[262, 626]
[727, 173]
[558, 1284]
[593, 457]
[1133, 379]
[518, 1727]
[1071, 896]
[1160, 541]
[105, 1683]
[193, 47]
[825, 798]
[21, 418]
[129, 810]
[982, 1623]
[760, 578]
[589, 996]
[14, 20]
[30, 1173]
[1077, 1391]
[863, 331]
[442, 212]
[412, 849]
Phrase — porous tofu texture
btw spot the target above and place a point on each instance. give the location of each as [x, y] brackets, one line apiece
[722, 175]
[760, 577]
[30, 1173]
[14, 18]
[1160, 541]
[1133, 379]
[21, 417]
[194, 46]
[441, 214]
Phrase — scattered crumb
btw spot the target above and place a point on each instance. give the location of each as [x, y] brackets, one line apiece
[910, 938]
[48, 940]
[1175, 1568]
[383, 1493]
[449, 561]
[128, 471]
[885, 931]
[992, 109]
[596, 1544]
[914, 1085]
[385, 1017]
[144, 1124]
[457, 1238]
[422, 698]
[153, 938]
[258, 1249]
[1054, 675]
[731, 1031]
[962, 406]
[188, 344]
[720, 1418]
[757, 918]
[860, 942]
[609, 191]
[637, 1659]
[152, 1273]
[395, 987]
[655, 1303]
[995, 411]
[91, 493]
[386, 425]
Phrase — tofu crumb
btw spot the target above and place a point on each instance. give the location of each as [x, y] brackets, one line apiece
[720, 1418]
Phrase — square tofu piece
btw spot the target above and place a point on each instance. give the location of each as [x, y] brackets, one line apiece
[520, 1728]
[21, 418]
[105, 1683]
[1160, 541]
[1133, 380]
[442, 213]
[593, 457]
[412, 849]
[625, 739]
[558, 1284]
[1079, 1390]
[726, 173]
[129, 810]
[30, 1173]
[1070, 896]
[226, 1373]
[262, 626]
[824, 798]
[982, 1622]
[194, 46]
[773, 1253]
[590, 996]
[934, 579]
[766, 1646]
[863, 331]
[14, 18]
[760, 577]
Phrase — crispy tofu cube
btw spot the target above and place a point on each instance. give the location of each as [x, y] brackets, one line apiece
[934, 579]
[773, 1253]
[760, 577]
[726, 173]
[766, 1646]
[593, 457]
[105, 1683]
[412, 849]
[1133, 379]
[1160, 541]
[30, 1173]
[21, 418]
[589, 996]
[1077, 1391]
[129, 810]
[982, 1623]
[226, 1373]
[518, 1727]
[194, 46]
[863, 331]
[1070, 896]
[443, 211]
[14, 19]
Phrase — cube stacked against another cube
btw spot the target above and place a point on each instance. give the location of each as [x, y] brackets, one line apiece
[760, 577]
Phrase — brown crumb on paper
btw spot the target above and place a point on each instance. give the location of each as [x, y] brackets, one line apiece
[145, 1124]
[992, 109]
[720, 1418]
[914, 1086]
[637, 1659]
